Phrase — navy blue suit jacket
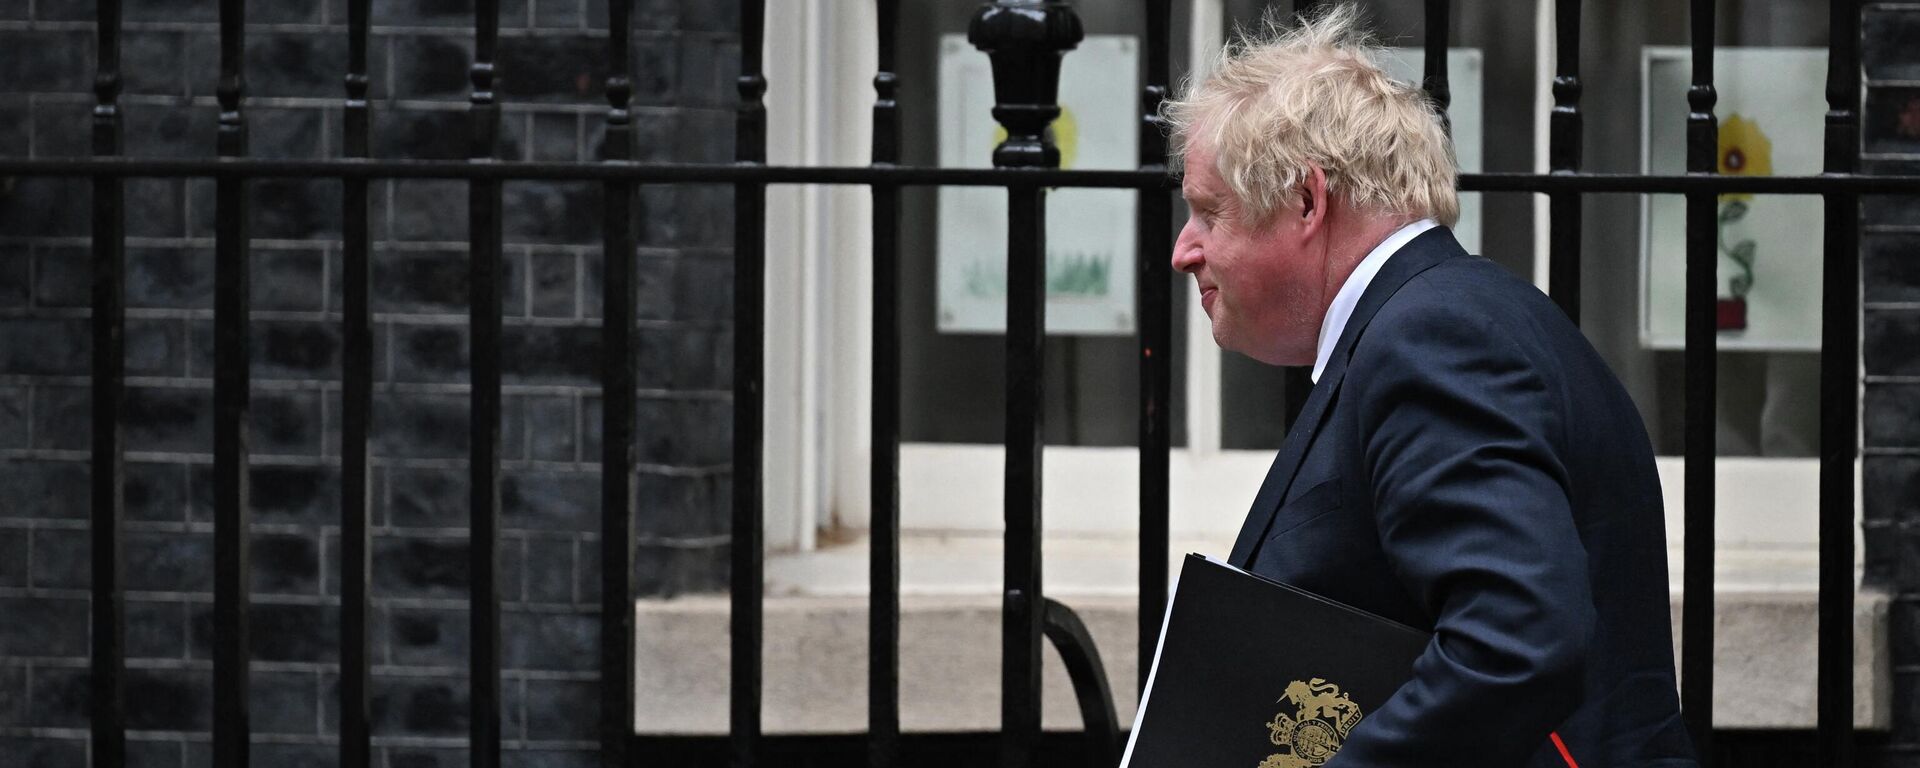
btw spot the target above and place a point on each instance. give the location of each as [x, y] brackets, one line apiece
[1468, 464]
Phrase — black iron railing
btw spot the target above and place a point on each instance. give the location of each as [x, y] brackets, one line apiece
[1025, 39]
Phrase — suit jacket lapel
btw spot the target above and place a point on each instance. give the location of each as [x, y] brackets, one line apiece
[1430, 248]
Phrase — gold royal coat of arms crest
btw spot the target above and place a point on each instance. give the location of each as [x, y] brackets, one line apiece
[1322, 717]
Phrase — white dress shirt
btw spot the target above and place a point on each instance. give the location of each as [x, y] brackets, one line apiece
[1356, 284]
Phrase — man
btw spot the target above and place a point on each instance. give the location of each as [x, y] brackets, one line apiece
[1466, 462]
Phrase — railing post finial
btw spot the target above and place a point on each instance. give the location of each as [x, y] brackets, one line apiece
[1025, 40]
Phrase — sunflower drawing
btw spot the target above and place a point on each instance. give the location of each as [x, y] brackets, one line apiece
[1745, 150]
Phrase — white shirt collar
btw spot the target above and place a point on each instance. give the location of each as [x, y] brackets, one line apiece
[1343, 302]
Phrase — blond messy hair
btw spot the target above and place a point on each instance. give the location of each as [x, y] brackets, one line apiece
[1281, 100]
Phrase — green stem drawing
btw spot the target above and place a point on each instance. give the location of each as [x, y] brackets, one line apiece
[1741, 252]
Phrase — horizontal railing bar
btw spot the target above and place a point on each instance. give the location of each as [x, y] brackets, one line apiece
[693, 173]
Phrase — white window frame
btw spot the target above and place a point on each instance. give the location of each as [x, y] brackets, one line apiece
[820, 57]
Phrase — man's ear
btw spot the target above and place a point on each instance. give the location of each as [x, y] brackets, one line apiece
[1313, 197]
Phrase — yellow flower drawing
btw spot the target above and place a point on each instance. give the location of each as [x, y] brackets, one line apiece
[1744, 151]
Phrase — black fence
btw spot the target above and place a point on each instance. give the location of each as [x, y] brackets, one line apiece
[1025, 40]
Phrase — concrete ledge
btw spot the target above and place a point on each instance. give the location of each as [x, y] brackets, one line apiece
[815, 654]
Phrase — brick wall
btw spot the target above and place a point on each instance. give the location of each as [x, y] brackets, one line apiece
[1890, 344]
[551, 67]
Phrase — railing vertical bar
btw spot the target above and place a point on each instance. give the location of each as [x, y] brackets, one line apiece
[618, 378]
[1438, 16]
[1155, 297]
[484, 235]
[749, 343]
[1564, 146]
[231, 381]
[1701, 288]
[108, 661]
[1026, 339]
[883, 616]
[356, 410]
[1839, 393]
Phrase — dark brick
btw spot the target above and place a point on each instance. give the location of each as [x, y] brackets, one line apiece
[1891, 267]
[300, 350]
[43, 626]
[550, 429]
[1886, 43]
[156, 208]
[513, 428]
[551, 354]
[552, 212]
[61, 559]
[154, 130]
[49, 489]
[551, 501]
[550, 579]
[45, 752]
[1891, 342]
[16, 268]
[669, 570]
[157, 491]
[294, 209]
[550, 641]
[556, 69]
[289, 280]
[1890, 417]
[285, 423]
[1890, 489]
[172, 11]
[153, 62]
[285, 703]
[63, 277]
[1892, 120]
[420, 567]
[428, 498]
[1890, 209]
[705, 135]
[172, 419]
[296, 755]
[559, 709]
[426, 282]
[170, 699]
[710, 15]
[430, 210]
[554, 137]
[295, 494]
[14, 10]
[307, 12]
[430, 353]
[647, 14]
[60, 129]
[410, 706]
[13, 696]
[60, 698]
[154, 754]
[421, 757]
[170, 278]
[63, 419]
[156, 629]
[677, 507]
[684, 432]
[432, 66]
[296, 64]
[555, 291]
[286, 564]
[45, 207]
[15, 419]
[13, 563]
[156, 347]
[559, 13]
[287, 133]
[429, 638]
[169, 562]
[703, 290]
[46, 61]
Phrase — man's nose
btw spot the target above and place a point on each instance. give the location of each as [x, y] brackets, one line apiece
[1187, 256]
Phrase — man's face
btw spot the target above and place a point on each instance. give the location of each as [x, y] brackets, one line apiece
[1262, 283]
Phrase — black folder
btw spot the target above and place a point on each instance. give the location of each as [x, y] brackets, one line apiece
[1252, 673]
